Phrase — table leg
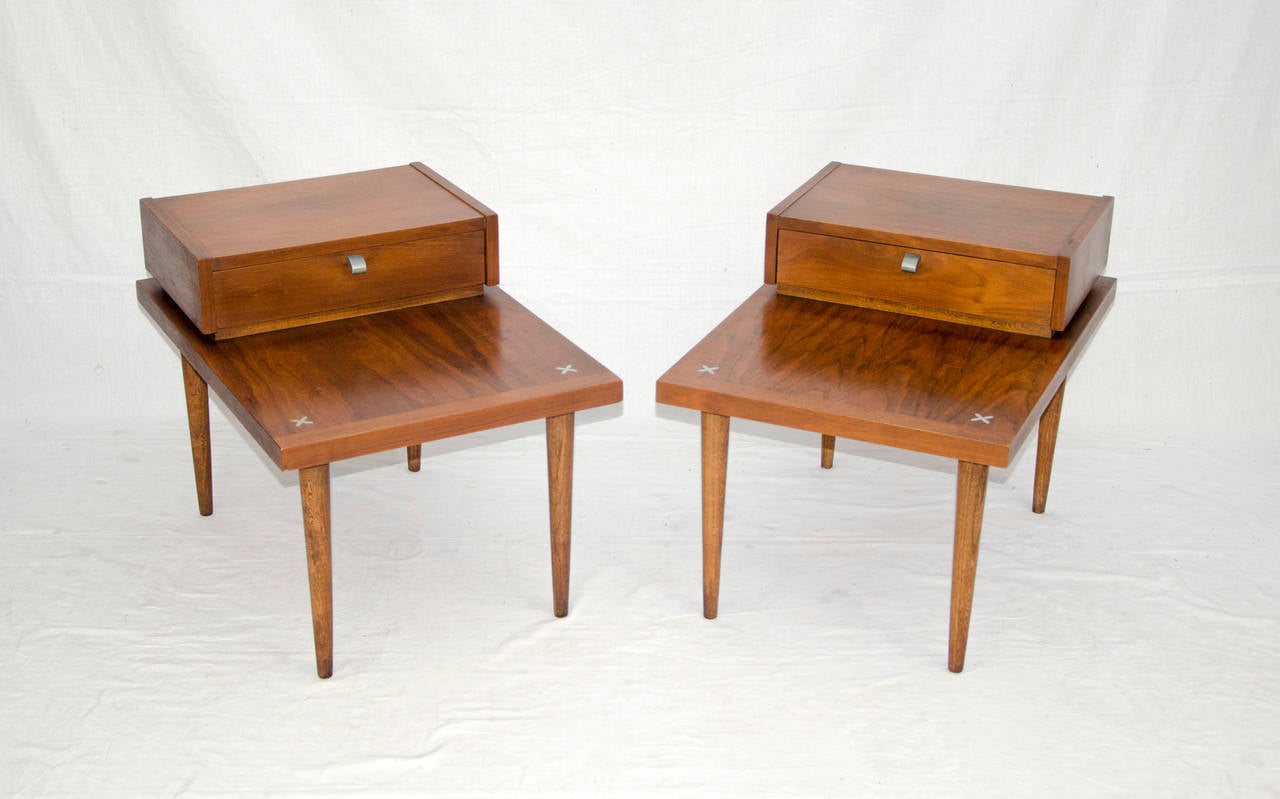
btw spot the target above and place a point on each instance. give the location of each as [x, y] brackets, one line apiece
[415, 457]
[560, 488]
[197, 392]
[1048, 439]
[828, 451]
[313, 482]
[971, 494]
[715, 459]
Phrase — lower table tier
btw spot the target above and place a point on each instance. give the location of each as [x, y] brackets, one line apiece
[937, 387]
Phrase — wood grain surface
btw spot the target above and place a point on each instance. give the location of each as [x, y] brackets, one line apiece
[945, 286]
[985, 220]
[828, 452]
[439, 268]
[903, 381]
[715, 463]
[971, 497]
[296, 218]
[315, 394]
[1046, 443]
[560, 496]
[313, 486]
[197, 393]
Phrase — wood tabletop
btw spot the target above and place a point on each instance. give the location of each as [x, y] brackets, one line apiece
[295, 218]
[986, 220]
[943, 388]
[319, 393]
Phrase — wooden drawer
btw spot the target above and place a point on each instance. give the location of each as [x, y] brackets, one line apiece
[259, 258]
[943, 286]
[1006, 257]
[268, 296]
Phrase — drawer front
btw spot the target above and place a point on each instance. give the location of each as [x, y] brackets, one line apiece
[946, 286]
[259, 296]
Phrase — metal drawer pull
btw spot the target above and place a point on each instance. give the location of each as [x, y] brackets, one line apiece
[359, 267]
[910, 262]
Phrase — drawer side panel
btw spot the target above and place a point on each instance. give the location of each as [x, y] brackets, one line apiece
[173, 265]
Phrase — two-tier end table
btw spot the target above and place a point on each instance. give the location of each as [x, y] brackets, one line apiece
[930, 314]
[343, 316]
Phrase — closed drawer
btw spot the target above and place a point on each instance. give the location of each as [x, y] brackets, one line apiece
[268, 296]
[978, 291]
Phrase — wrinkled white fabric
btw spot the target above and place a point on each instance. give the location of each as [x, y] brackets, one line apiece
[1123, 644]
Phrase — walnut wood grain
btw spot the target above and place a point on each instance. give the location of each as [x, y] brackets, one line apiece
[490, 221]
[560, 492]
[197, 393]
[320, 317]
[415, 457]
[1066, 234]
[966, 217]
[715, 459]
[313, 484]
[422, 236]
[174, 265]
[828, 451]
[945, 286]
[971, 494]
[299, 218]
[389, 380]
[891, 379]
[1047, 442]
[283, 293]
[771, 221]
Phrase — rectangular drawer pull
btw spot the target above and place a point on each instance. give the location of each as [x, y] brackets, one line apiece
[910, 262]
[359, 267]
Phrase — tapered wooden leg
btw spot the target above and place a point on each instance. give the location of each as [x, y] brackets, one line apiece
[314, 484]
[715, 459]
[197, 392]
[1048, 439]
[560, 487]
[971, 494]
[415, 457]
[828, 451]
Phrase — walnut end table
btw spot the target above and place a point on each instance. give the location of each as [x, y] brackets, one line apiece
[313, 394]
[926, 313]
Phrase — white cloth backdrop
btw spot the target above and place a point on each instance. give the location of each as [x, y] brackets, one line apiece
[1124, 643]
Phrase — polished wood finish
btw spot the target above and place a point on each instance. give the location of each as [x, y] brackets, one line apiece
[891, 379]
[936, 359]
[971, 495]
[828, 451]
[312, 395]
[390, 380]
[952, 287]
[313, 483]
[255, 288]
[771, 221]
[560, 493]
[715, 460]
[293, 239]
[941, 219]
[1048, 440]
[938, 387]
[197, 393]
[281, 294]
[490, 221]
